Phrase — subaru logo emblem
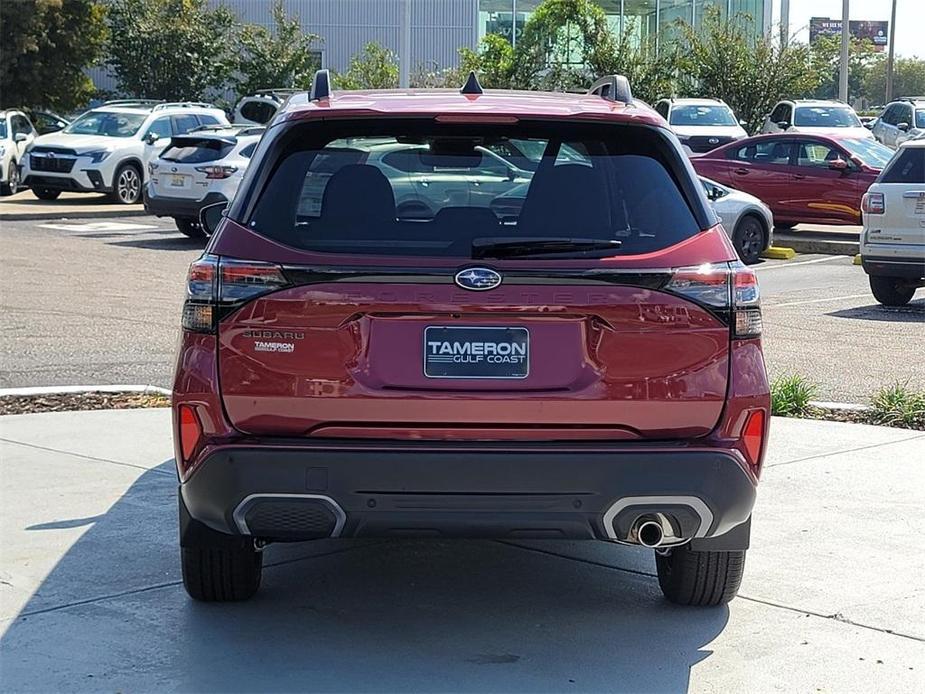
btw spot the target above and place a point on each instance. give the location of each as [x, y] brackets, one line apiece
[478, 279]
[173, 168]
[713, 140]
[51, 155]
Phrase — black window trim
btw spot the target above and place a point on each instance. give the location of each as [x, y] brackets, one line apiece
[258, 175]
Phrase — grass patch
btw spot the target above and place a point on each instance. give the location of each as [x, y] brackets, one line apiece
[899, 406]
[790, 396]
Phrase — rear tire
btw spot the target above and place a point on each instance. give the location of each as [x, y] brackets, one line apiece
[190, 227]
[703, 579]
[891, 291]
[46, 193]
[749, 239]
[221, 574]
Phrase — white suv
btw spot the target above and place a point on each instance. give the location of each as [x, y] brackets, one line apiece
[107, 150]
[701, 124]
[901, 120]
[893, 241]
[815, 117]
[16, 134]
[198, 169]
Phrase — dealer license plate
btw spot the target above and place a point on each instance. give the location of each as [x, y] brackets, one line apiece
[469, 352]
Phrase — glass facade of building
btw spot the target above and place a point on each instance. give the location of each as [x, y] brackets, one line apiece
[653, 21]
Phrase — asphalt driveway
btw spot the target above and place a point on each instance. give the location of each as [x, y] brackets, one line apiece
[91, 601]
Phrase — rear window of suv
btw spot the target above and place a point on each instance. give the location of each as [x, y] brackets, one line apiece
[197, 151]
[907, 167]
[425, 189]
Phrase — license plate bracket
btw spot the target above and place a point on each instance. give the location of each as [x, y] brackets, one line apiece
[482, 352]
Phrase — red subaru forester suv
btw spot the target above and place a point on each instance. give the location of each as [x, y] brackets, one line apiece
[446, 313]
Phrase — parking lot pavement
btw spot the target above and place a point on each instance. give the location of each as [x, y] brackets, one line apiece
[25, 206]
[97, 301]
[91, 599]
[821, 321]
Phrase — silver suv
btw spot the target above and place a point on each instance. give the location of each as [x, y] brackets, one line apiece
[901, 120]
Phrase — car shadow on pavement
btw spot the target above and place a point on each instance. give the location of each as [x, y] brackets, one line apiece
[913, 312]
[171, 243]
[349, 615]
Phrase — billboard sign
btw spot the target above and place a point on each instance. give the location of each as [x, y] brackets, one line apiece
[874, 31]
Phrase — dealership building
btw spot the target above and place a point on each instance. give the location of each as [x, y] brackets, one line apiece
[431, 32]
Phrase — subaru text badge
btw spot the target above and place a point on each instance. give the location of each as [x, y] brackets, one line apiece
[478, 279]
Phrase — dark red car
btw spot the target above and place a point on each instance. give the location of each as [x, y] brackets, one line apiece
[802, 178]
[585, 365]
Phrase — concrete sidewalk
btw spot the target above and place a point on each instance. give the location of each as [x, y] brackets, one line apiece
[91, 601]
[25, 205]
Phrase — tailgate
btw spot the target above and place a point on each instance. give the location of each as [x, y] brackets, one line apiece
[408, 360]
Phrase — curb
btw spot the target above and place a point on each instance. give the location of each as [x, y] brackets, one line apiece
[779, 253]
[822, 246]
[62, 216]
[843, 406]
[68, 390]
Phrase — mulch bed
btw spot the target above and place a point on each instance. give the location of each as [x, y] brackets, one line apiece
[62, 402]
[858, 417]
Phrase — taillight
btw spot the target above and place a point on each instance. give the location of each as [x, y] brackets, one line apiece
[216, 286]
[729, 289]
[753, 436]
[190, 431]
[215, 171]
[746, 303]
[873, 203]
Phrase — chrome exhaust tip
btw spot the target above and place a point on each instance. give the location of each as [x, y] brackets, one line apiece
[649, 532]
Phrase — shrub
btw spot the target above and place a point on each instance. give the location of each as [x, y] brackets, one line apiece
[899, 405]
[790, 395]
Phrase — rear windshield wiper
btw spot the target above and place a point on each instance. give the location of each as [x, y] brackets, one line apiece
[523, 246]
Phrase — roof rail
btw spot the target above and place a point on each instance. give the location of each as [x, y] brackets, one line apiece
[279, 90]
[182, 104]
[613, 88]
[131, 102]
[321, 86]
[239, 129]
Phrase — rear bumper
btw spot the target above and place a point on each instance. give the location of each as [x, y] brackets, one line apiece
[909, 268]
[161, 206]
[516, 491]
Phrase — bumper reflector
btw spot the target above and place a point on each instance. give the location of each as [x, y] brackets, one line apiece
[190, 431]
[753, 436]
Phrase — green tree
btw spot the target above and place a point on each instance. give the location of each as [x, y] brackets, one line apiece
[826, 56]
[170, 49]
[375, 67]
[724, 59]
[908, 79]
[284, 57]
[652, 74]
[46, 46]
[565, 44]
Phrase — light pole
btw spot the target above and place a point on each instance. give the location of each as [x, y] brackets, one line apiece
[889, 58]
[784, 22]
[843, 72]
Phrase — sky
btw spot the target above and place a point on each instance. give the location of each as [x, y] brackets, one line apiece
[910, 18]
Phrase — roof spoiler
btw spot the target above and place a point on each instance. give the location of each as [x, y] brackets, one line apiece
[613, 88]
[321, 86]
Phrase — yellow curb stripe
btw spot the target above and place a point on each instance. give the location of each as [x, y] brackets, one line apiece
[779, 253]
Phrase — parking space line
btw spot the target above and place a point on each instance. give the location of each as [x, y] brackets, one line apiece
[799, 262]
